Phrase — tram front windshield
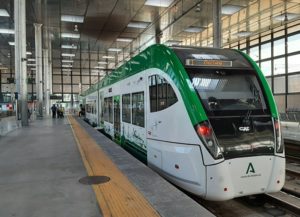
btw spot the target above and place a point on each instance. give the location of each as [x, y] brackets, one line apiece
[236, 107]
[231, 90]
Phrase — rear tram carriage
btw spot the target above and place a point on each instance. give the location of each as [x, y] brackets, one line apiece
[203, 118]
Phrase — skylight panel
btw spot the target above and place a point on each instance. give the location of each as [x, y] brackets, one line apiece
[72, 18]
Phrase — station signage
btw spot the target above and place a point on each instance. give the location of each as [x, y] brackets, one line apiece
[196, 62]
[56, 97]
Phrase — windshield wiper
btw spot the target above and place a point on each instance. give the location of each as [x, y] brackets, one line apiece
[246, 120]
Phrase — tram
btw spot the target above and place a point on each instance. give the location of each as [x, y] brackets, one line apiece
[203, 118]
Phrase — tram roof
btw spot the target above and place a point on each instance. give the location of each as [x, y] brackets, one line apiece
[210, 57]
[188, 56]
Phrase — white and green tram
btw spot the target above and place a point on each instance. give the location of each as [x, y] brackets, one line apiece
[203, 118]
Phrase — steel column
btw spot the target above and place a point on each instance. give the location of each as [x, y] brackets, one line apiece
[46, 82]
[217, 23]
[39, 68]
[50, 64]
[20, 58]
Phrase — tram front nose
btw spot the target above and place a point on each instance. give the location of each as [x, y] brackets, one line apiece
[244, 176]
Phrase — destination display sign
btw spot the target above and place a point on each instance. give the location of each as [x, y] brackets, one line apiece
[197, 62]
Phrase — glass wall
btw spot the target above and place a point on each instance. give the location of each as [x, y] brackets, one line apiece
[70, 82]
[277, 52]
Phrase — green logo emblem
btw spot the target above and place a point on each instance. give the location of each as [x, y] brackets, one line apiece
[250, 169]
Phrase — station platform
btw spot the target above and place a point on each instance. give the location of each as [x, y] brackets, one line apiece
[44, 168]
[8, 124]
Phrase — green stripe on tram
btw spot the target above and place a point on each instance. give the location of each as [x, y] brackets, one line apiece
[163, 58]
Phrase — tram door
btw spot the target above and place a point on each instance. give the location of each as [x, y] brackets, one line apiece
[117, 123]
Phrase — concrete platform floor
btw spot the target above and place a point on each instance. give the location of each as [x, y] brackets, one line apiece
[8, 124]
[39, 173]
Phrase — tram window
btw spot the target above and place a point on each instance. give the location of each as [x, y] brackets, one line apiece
[153, 93]
[126, 108]
[138, 113]
[162, 86]
[105, 110]
[228, 90]
[88, 108]
[91, 107]
[162, 94]
[108, 110]
[94, 108]
[102, 106]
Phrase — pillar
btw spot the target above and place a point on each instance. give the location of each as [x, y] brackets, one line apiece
[50, 65]
[217, 23]
[39, 68]
[20, 58]
[46, 81]
[46, 61]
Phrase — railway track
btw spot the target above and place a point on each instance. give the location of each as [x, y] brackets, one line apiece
[259, 206]
[292, 185]
[292, 150]
[285, 200]
[263, 205]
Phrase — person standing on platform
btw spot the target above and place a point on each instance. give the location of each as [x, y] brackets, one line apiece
[53, 109]
[57, 110]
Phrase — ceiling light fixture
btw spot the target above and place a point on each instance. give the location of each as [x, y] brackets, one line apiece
[124, 39]
[103, 63]
[70, 35]
[194, 29]
[11, 43]
[198, 8]
[28, 53]
[30, 60]
[172, 42]
[7, 31]
[108, 57]
[286, 16]
[230, 9]
[3, 13]
[31, 64]
[72, 18]
[66, 46]
[68, 55]
[114, 49]
[243, 34]
[138, 25]
[159, 3]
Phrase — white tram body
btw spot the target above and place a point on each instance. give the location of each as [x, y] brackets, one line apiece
[91, 108]
[157, 127]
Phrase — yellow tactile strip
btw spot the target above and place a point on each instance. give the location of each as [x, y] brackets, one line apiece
[118, 197]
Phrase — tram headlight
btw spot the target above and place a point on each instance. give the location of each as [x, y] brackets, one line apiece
[207, 136]
[278, 136]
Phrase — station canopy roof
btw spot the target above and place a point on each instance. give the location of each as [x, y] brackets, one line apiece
[95, 29]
